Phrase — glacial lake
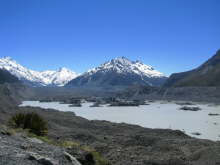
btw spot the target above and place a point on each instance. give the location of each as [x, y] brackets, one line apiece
[156, 115]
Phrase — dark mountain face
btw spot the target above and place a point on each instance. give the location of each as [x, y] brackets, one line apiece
[6, 77]
[119, 72]
[112, 78]
[208, 74]
[12, 90]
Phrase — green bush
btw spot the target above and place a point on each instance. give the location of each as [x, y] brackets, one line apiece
[31, 121]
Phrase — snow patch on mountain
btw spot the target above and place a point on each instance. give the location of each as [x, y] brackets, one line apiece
[124, 65]
[44, 78]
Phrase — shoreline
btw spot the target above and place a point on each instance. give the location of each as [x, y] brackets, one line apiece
[123, 115]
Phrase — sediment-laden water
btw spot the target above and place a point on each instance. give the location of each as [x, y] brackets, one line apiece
[156, 115]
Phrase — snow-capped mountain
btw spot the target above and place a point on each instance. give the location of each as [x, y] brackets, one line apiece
[36, 78]
[60, 77]
[120, 72]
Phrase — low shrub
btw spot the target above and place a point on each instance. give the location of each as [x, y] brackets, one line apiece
[7, 131]
[93, 157]
[100, 160]
[31, 121]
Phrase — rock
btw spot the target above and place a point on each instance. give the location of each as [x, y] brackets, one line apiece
[41, 159]
[71, 159]
[213, 114]
[184, 103]
[118, 150]
[47, 161]
[186, 108]
[35, 140]
[4, 131]
[75, 105]
[25, 146]
[95, 105]
[196, 133]
[123, 103]
[20, 155]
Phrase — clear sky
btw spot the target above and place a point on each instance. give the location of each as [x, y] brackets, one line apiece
[170, 35]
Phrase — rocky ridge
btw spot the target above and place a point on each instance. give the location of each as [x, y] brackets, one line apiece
[206, 75]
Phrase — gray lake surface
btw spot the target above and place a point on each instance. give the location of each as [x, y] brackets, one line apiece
[158, 114]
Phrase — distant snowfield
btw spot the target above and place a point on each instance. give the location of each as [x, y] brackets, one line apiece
[156, 115]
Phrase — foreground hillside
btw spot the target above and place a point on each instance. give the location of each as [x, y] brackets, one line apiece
[118, 143]
[19, 149]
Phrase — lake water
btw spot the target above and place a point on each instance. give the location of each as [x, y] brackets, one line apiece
[156, 115]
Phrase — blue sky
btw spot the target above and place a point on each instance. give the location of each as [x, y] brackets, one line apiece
[171, 35]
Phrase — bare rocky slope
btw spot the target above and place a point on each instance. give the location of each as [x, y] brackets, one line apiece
[19, 149]
[208, 74]
[197, 94]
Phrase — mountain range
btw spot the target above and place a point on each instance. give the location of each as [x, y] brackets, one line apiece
[36, 78]
[116, 72]
[120, 72]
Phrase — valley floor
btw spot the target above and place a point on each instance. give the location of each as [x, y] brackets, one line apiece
[202, 118]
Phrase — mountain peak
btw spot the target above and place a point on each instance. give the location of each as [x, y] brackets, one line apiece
[63, 69]
[120, 71]
[125, 61]
[7, 58]
[121, 60]
[123, 64]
